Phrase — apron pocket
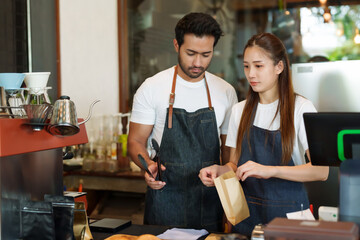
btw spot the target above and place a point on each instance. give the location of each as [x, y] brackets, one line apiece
[210, 138]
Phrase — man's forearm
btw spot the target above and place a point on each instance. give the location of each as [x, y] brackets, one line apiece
[136, 148]
[225, 151]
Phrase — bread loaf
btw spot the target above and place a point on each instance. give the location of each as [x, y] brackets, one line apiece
[130, 237]
[121, 237]
[148, 237]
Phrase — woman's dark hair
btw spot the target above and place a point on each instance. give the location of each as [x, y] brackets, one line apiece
[200, 24]
[276, 50]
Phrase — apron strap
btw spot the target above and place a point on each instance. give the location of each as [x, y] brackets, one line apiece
[172, 96]
[208, 93]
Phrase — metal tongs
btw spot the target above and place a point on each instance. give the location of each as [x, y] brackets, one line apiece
[157, 156]
[144, 165]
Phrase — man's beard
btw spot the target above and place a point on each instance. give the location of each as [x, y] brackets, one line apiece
[187, 71]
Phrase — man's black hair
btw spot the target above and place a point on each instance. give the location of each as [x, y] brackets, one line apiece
[200, 24]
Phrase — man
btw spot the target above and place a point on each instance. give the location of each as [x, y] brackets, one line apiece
[189, 123]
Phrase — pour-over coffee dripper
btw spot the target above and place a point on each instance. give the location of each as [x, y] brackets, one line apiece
[36, 80]
[38, 114]
[11, 80]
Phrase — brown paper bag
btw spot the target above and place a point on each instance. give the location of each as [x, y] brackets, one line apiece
[81, 223]
[232, 197]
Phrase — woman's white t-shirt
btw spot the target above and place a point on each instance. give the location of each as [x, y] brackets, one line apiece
[264, 119]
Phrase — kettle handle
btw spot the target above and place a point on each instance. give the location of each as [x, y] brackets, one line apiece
[90, 111]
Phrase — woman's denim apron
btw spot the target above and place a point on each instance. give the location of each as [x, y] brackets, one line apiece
[191, 144]
[267, 198]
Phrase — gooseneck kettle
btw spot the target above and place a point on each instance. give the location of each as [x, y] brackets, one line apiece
[64, 121]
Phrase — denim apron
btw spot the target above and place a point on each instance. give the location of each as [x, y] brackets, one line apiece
[273, 197]
[190, 144]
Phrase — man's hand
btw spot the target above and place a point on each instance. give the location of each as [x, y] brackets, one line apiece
[208, 174]
[151, 182]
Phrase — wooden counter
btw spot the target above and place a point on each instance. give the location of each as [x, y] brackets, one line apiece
[124, 181]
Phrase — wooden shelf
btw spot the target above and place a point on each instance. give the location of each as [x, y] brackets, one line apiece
[18, 138]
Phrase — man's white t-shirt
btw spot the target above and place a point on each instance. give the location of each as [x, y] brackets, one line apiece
[151, 100]
[263, 119]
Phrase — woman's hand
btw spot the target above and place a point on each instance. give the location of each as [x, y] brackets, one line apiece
[208, 174]
[151, 182]
[253, 169]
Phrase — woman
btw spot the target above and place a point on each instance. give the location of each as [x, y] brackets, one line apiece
[267, 138]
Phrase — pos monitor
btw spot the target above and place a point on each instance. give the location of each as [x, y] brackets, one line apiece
[334, 140]
[332, 137]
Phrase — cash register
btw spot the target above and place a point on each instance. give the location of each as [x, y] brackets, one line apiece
[334, 140]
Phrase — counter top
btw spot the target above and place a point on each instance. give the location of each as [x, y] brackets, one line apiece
[137, 230]
[16, 138]
[134, 229]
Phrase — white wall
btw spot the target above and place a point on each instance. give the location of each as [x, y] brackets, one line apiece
[89, 54]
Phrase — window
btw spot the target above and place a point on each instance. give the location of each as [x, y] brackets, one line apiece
[299, 24]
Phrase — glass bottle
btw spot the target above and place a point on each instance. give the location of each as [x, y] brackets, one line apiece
[123, 159]
[89, 158]
[111, 146]
[100, 149]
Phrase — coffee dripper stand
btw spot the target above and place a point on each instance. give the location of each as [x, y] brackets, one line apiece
[11, 103]
[37, 96]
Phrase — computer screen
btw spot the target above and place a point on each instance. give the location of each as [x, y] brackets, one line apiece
[330, 86]
[333, 137]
